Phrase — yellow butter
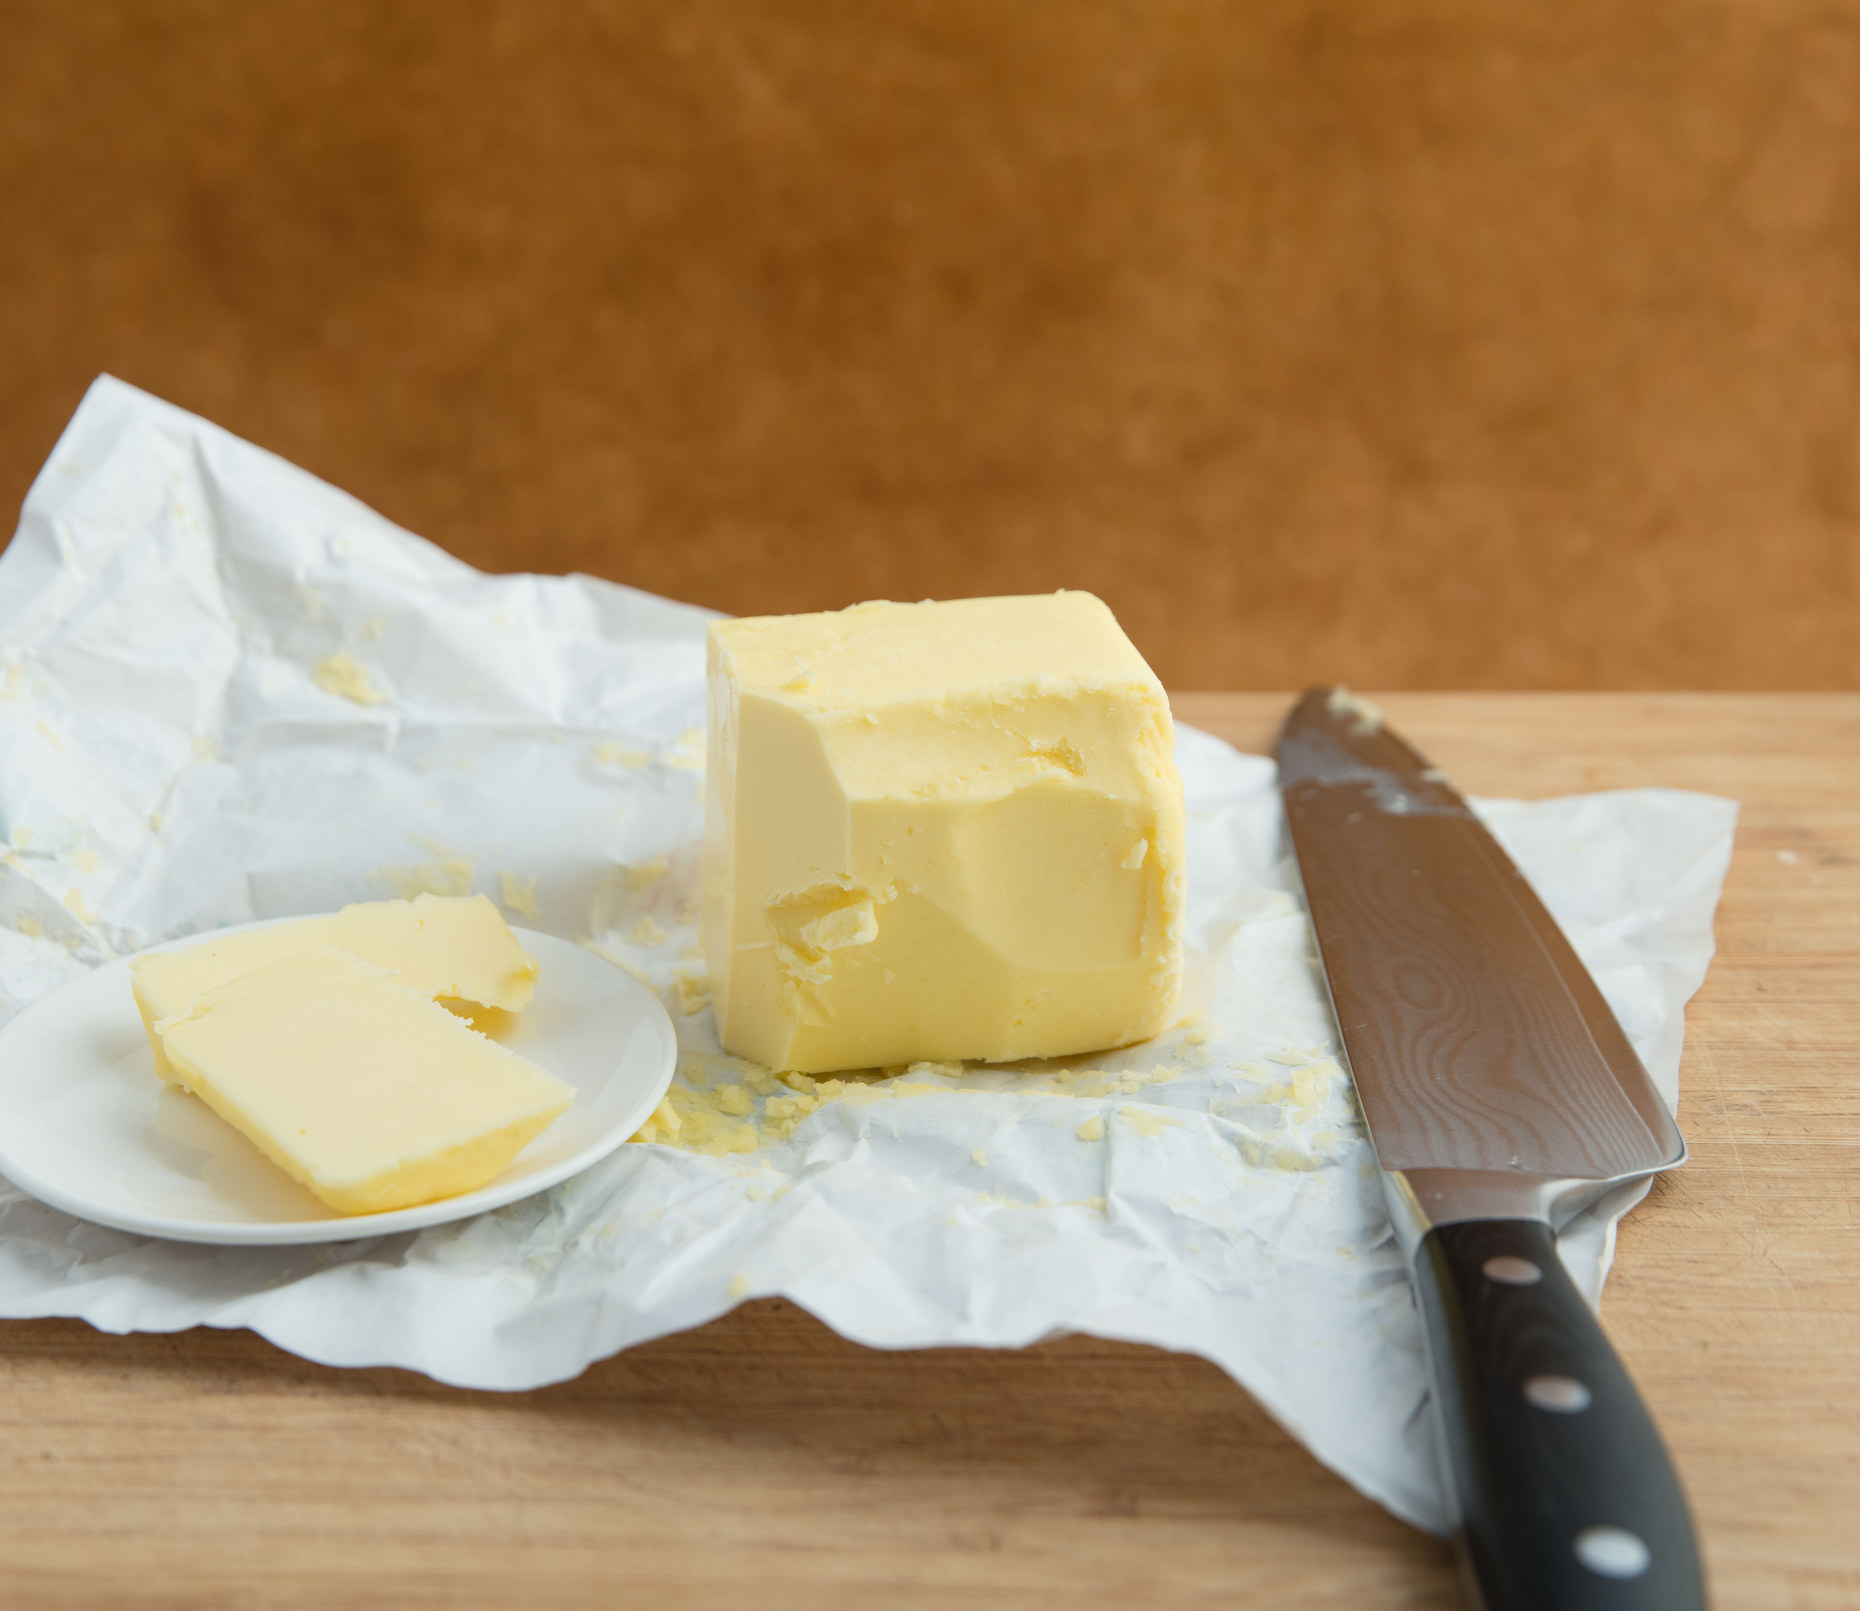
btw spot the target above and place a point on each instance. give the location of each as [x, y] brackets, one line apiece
[438, 945]
[939, 831]
[369, 1093]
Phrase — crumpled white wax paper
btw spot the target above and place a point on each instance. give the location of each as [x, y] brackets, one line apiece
[231, 692]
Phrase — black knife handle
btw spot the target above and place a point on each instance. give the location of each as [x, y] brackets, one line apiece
[1568, 1501]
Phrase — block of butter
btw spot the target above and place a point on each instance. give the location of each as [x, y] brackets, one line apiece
[453, 946]
[370, 1093]
[941, 830]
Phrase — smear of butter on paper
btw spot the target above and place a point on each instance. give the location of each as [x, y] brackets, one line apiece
[687, 752]
[519, 894]
[722, 1105]
[642, 875]
[1314, 1117]
[1146, 1124]
[338, 674]
[611, 752]
[449, 872]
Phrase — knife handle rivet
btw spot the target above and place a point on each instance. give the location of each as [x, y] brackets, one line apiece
[1563, 1395]
[1512, 1271]
[1613, 1552]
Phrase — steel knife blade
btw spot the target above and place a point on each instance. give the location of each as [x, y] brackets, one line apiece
[1502, 1098]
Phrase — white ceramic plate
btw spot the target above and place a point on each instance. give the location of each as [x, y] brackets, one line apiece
[88, 1126]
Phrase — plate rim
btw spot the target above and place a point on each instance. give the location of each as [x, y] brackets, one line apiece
[358, 1227]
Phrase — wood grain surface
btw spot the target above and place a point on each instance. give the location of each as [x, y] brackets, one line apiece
[763, 1462]
[1415, 343]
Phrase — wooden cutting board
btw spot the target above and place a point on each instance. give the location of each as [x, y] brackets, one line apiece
[763, 1462]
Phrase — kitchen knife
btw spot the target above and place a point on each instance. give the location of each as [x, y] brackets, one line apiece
[1503, 1099]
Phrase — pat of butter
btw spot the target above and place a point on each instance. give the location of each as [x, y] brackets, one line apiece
[369, 1093]
[941, 830]
[453, 946]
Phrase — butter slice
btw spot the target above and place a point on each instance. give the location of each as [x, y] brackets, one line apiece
[941, 830]
[439, 945]
[369, 1093]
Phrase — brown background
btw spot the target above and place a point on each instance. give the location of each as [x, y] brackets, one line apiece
[1424, 343]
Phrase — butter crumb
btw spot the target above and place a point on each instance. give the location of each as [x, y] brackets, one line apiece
[29, 925]
[979, 1157]
[519, 894]
[74, 899]
[647, 931]
[687, 753]
[1092, 1129]
[721, 1120]
[739, 1284]
[50, 735]
[663, 1125]
[206, 748]
[338, 674]
[691, 990]
[705, 1128]
[1365, 715]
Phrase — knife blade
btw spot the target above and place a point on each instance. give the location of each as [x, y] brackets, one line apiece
[1503, 1099]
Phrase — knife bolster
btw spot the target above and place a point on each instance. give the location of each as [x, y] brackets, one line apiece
[1420, 1200]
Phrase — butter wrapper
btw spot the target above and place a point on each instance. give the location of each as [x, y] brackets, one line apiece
[229, 691]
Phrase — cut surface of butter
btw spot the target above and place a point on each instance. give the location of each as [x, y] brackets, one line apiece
[453, 946]
[369, 1093]
[942, 830]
